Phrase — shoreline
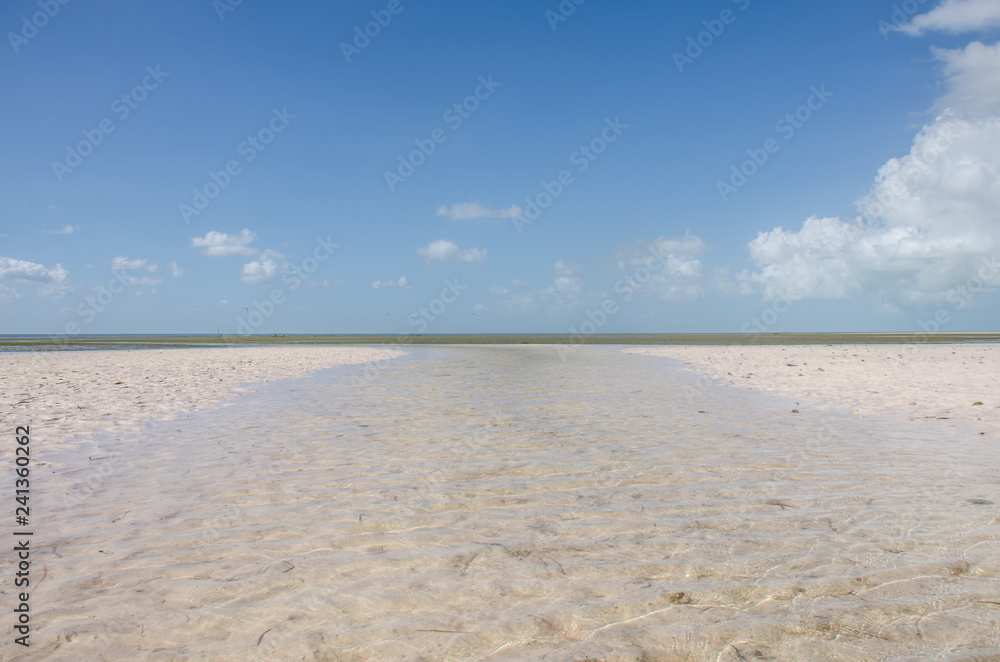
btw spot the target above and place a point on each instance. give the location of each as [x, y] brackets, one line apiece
[14, 343]
[85, 393]
[949, 384]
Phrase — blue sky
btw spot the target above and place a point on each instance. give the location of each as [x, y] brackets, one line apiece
[120, 117]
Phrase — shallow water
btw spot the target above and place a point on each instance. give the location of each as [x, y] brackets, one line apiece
[511, 503]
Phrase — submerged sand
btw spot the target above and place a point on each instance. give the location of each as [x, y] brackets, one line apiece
[502, 504]
[920, 382]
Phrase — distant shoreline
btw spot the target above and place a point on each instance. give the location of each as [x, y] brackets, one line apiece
[10, 343]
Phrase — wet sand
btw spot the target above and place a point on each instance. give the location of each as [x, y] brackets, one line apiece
[499, 503]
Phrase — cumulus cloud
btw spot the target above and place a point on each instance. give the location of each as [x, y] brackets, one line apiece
[956, 16]
[268, 266]
[930, 222]
[468, 211]
[665, 267]
[446, 251]
[220, 244]
[175, 271]
[11, 269]
[973, 79]
[926, 225]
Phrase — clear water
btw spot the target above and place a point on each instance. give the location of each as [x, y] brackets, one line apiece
[511, 503]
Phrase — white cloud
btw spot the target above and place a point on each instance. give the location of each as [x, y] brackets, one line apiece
[956, 16]
[927, 224]
[265, 268]
[478, 308]
[175, 271]
[124, 264]
[68, 229]
[468, 211]
[566, 291]
[664, 267]
[9, 294]
[931, 221]
[220, 244]
[53, 290]
[22, 270]
[145, 281]
[568, 279]
[973, 85]
[444, 250]
[403, 282]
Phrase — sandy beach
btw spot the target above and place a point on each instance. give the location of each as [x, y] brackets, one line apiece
[65, 394]
[925, 383]
[505, 503]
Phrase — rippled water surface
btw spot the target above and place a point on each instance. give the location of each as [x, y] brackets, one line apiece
[511, 503]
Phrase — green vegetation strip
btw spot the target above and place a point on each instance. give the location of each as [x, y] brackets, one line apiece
[77, 343]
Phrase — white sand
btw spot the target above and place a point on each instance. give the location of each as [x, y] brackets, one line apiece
[65, 394]
[922, 382]
[503, 504]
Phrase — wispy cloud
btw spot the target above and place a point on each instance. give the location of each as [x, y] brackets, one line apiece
[69, 229]
[469, 211]
[220, 244]
[447, 251]
[402, 282]
[122, 263]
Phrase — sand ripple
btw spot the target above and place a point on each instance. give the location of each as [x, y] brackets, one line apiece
[497, 503]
